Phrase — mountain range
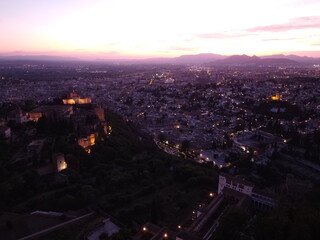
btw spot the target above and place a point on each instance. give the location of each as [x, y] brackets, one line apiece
[236, 59]
[203, 58]
[244, 59]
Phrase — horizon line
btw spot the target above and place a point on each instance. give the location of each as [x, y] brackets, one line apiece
[95, 57]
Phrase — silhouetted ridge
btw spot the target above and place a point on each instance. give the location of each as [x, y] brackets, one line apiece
[244, 59]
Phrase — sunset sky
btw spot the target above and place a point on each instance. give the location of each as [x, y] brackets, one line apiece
[149, 28]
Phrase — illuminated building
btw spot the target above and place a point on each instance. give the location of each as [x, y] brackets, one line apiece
[88, 122]
[60, 162]
[75, 99]
[238, 184]
[57, 112]
[34, 116]
[276, 97]
[87, 142]
[57, 164]
[238, 188]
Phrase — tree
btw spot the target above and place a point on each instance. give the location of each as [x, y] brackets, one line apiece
[104, 236]
[68, 202]
[123, 234]
[185, 145]
[42, 125]
[231, 224]
[161, 137]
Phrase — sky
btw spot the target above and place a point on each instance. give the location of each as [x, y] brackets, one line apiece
[114, 29]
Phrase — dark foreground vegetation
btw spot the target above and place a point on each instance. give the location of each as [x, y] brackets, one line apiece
[125, 176]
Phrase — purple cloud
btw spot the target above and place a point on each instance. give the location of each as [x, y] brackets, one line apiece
[294, 24]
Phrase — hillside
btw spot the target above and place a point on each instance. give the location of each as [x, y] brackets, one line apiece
[124, 176]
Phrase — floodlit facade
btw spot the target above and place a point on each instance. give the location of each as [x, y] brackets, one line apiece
[61, 163]
[276, 97]
[75, 99]
[87, 141]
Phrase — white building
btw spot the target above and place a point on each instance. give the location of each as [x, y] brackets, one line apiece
[227, 182]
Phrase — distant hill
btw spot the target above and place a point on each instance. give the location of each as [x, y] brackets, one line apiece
[186, 59]
[199, 58]
[238, 59]
[244, 59]
[294, 58]
[278, 61]
[38, 58]
[211, 58]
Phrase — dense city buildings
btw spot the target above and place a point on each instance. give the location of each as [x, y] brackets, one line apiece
[158, 151]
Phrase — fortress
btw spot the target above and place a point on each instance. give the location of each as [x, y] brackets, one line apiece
[75, 99]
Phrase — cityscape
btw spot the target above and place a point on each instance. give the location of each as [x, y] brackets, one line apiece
[156, 151]
[149, 120]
